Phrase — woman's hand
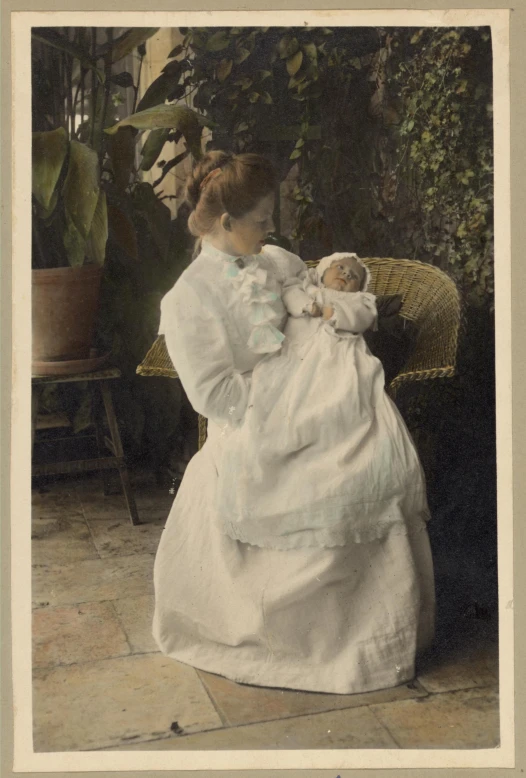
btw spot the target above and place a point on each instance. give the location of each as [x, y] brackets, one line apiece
[328, 311]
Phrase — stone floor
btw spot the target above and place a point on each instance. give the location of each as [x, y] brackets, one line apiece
[100, 683]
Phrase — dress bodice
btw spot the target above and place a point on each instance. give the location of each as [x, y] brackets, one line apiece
[221, 317]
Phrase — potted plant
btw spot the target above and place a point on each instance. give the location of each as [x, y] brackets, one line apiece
[73, 86]
[70, 230]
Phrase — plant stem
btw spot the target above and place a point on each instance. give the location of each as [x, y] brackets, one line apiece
[136, 86]
[169, 165]
[107, 87]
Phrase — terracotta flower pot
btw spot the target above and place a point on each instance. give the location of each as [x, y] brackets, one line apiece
[64, 308]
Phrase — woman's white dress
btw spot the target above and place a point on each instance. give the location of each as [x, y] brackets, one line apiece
[342, 618]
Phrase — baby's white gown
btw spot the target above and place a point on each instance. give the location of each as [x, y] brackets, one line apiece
[322, 457]
[320, 607]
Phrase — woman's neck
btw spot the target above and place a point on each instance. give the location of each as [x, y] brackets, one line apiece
[221, 242]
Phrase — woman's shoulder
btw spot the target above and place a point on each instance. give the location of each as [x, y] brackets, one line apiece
[200, 276]
[286, 262]
[195, 287]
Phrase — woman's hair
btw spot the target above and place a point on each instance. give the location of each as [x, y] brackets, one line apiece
[240, 182]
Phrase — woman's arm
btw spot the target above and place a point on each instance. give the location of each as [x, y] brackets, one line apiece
[297, 301]
[298, 289]
[198, 345]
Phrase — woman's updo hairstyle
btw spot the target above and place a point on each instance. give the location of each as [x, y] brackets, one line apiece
[222, 182]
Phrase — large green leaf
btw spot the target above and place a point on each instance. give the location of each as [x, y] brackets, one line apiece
[153, 147]
[129, 41]
[157, 92]
[175, 52]
[224, 69]
[74, 244]
[287, 47]
[218, 41]
[123, 79]
[96, 243]
[177, 117]
[49, 152]
[294, 63]
[81, 187]
[46, 213]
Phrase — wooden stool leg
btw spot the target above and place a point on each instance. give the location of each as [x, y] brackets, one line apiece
[99, 437]
[118, 450]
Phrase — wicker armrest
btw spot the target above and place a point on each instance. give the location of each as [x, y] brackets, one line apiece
[157, 361]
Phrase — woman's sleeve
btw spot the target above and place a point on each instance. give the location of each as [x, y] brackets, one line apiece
[295, 280]
[354, 312]
[295, 299]
[198, 345]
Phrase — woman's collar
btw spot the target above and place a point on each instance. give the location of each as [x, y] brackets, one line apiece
[215, 253]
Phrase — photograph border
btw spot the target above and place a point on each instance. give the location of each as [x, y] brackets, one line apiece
[16, 362]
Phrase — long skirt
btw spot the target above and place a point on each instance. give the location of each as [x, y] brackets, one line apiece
[343, 620]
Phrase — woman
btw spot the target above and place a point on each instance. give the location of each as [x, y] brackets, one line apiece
[341, 619]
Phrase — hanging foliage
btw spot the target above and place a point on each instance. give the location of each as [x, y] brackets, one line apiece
[389, 131]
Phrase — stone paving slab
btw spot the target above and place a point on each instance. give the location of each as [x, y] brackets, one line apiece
[118, 537]
[56, 502]
[117, 701]
[77, 633]
[243, 704]
[351, 728]
[136, 614]
[60, 539]
[461, 670]
[461, 719]
[94, 580]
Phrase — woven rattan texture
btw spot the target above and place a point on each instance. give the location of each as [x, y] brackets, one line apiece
[430, 300]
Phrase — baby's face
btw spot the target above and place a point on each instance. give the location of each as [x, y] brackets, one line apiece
[344, 275]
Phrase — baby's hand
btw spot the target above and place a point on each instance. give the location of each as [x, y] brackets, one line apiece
[315, 310]
[328, 311]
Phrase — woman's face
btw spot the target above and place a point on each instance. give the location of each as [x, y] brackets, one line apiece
[247, 234]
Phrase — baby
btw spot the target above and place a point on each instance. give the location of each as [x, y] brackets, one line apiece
[325, 293]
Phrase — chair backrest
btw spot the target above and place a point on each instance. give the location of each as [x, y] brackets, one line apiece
[430, 300]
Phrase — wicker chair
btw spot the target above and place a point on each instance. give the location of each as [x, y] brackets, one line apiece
[430, 300]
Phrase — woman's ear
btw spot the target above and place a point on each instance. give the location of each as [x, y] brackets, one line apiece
[225, 222]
